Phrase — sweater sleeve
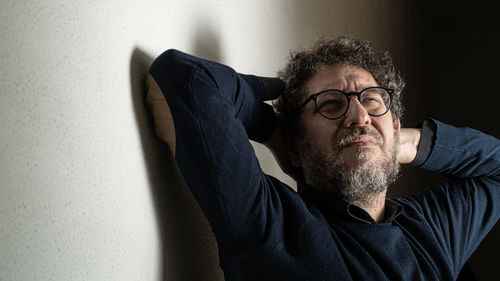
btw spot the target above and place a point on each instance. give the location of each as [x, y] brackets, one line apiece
[464, 209]
[216, 111]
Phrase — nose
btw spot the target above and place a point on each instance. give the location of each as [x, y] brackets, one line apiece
[356, 114]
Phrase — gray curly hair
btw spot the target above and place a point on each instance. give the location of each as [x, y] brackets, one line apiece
[347, 50]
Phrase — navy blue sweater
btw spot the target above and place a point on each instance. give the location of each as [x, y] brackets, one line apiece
[267, 231]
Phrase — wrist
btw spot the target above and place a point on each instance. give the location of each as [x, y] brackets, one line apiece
[409, 140]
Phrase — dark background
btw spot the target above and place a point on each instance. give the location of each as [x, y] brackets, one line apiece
[451, 69]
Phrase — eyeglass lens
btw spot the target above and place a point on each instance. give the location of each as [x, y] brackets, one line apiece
[333, 104]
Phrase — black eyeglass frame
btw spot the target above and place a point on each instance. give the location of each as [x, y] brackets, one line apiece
[347, 95]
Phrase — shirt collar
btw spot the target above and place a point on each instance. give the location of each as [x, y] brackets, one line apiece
[334, 207]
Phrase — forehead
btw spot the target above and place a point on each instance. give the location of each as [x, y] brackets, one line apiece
[341, 77]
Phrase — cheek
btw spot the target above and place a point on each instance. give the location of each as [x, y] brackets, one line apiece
[321, 139]
[320, 131]
[390, 136]
[385, 126]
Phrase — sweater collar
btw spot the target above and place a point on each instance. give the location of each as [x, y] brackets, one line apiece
[334, 207]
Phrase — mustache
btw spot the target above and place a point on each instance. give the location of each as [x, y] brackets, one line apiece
[347, 137]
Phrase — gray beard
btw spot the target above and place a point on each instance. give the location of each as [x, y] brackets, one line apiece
[357, 180]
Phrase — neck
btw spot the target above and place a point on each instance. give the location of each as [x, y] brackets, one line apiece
[374, 206]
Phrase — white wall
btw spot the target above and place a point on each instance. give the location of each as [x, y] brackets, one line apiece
[86, 191]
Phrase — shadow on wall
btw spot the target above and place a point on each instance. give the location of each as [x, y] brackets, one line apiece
[206, 42]
[189, 250]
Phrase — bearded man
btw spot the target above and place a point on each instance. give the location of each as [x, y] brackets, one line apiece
[337, 131]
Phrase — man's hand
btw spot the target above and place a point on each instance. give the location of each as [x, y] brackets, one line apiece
[409, 139]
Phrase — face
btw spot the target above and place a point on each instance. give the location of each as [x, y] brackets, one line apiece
[354, 156]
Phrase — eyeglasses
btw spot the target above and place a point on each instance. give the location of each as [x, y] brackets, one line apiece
[333, 104]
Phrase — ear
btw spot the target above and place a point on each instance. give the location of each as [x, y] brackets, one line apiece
[283, 150]
[294, 169]
[292, 151]
[398, 125]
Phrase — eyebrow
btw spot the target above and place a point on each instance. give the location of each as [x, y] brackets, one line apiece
[361, 86]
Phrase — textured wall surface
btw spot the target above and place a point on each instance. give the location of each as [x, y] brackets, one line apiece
[86, 190]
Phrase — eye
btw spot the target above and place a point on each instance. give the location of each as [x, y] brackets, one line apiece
[371, 97]
[330, 107]
[370, 100]
[331, 103]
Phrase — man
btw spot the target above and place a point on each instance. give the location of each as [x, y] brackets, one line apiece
[339, 135]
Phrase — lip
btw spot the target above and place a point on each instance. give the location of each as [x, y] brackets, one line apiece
[360, 141]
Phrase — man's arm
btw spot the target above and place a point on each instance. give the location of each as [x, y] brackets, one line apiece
[214, 111]
[462, 210]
